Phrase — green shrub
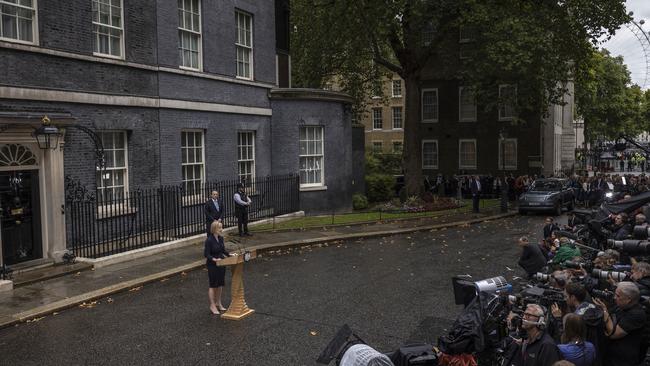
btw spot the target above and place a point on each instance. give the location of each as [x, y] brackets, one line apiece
[379, 187]
[359, 201]
[379, 163]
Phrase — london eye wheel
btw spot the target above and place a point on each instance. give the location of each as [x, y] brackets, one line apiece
[633, 43]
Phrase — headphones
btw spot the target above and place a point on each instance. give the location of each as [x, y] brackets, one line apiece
[541, 321]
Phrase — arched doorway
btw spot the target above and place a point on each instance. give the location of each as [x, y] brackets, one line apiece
[20, 206]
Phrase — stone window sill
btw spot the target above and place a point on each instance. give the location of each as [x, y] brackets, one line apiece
[312, 189]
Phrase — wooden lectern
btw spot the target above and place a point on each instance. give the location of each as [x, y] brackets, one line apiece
[238, 308]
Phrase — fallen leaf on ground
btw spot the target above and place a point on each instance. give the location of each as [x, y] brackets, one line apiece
[313, 333]
[135, 289]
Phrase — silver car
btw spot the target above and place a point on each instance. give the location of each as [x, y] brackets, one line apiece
[551, 194]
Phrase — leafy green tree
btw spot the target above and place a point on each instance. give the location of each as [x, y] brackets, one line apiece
[606, 99]
[531, 43]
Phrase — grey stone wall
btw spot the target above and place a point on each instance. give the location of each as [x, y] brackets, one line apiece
[358, 159]
[218, 36]
[184, 87]
[312, 108]
[154, 135]
[142, 130]
[28, 69]
[220, 143]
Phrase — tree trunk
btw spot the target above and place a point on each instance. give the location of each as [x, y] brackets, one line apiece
[412, 140]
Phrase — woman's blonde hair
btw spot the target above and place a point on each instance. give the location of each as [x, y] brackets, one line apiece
[216, 227]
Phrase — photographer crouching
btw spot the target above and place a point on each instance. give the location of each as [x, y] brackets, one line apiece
[532, 259]
[624, 326]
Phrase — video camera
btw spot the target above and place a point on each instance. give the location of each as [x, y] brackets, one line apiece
[641, 232]
[541, 295]
[348, 349]
[602, 294]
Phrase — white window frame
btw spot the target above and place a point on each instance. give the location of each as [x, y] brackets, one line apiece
[460, 106]
[321, 155]
[121, 29]
[34, 10]
[437, 160]
[507, 167]
[198, 33]
[437, 106]
[502, 105]
[460, 154]
[381, 119]
[250, 136]
[399, 88]
[401, 143]
[111, 149]
[201, 180]
[401, 117]
[243, 46]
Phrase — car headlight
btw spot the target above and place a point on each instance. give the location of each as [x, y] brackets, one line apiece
[609, 194]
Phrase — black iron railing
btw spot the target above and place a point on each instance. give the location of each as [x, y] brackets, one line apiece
[145, 217]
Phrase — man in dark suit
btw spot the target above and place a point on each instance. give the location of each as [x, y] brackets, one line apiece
[213, 210]
[598, 188]
[475, 187]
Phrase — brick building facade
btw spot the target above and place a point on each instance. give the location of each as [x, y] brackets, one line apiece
[383, 118]
[175, 91]
[458, 136]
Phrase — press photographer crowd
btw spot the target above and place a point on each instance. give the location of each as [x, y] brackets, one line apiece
[582, 298]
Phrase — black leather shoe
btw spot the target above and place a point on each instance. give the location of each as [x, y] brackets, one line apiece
[248, 234]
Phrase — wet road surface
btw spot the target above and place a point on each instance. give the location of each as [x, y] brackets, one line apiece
[390, 291]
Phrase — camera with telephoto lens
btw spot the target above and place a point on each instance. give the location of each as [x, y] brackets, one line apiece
[605, 295]
[542, 277]
[630, 246]
[588, 266]
[641, 232]
[605, 275]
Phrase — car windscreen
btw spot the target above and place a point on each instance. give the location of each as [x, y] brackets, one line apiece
[546, 186]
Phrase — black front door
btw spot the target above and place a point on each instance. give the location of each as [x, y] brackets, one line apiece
[20, 216]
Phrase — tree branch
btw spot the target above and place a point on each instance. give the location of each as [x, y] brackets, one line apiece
[379, 59]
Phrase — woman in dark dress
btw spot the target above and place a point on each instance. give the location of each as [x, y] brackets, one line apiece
[215, 250]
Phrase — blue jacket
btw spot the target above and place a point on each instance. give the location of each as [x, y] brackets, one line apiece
[581, 354]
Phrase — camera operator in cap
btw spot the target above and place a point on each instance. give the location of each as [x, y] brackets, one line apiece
[538, 349]
[532, 259]
[624, 326]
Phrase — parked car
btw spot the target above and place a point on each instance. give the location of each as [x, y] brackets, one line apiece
[551, 194]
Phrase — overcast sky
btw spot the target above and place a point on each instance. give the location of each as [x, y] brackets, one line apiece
[625, 44]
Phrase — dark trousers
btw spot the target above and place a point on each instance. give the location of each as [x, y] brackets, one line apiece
[475, 200]
[242, 221]
[207, 227]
